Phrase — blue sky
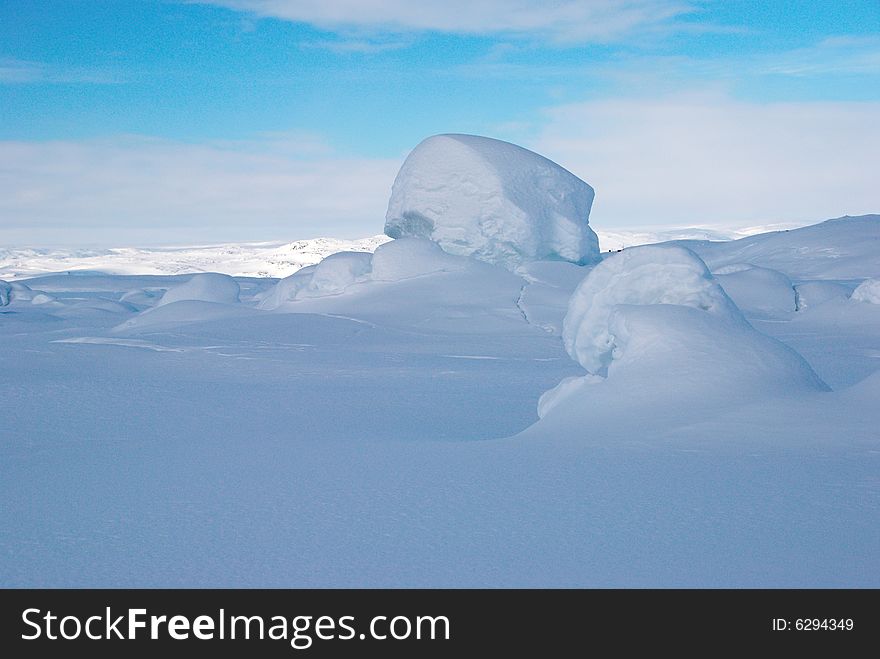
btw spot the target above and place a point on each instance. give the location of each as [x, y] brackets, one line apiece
[165, 122]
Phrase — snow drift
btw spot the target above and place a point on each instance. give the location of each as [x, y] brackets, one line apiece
[501, 203]
[204, 287]
[412, 257]
[651, 324]
[868, 291]
[757, 290]
[640, 276]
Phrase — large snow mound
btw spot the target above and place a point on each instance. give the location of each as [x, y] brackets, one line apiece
[868, 291]
[501, 203]
[336, 273]
[671, 357]
[204, 287]
[653, 328]
[639, 276]
[412, 257]
[757, 290]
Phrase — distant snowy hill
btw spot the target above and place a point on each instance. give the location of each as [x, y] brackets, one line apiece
[271, 259]
[267, 259]
[842, 248]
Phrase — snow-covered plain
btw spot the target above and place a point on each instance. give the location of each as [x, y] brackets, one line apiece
[374, 422]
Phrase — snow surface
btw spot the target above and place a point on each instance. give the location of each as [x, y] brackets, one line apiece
[757, 290]
[495, 201]
[5, 293]
[842, 248]
[387, 434]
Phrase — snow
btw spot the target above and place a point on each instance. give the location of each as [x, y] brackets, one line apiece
[646, 275]
[5, 293]
[412, 257]
[655, 322]
[813, 293]
[387, 435]
[495, 201]
[842, 248]
[336, 273]
[867, 291]
[757, 290]
[266, 259]
[205, 287]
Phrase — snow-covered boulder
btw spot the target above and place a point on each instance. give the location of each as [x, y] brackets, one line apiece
[867, 291]
[286, 289]
[653, 328]
[5, 293]
[757, 290]
[336, 273]
[501, 203]
[204, 287]
[40, 297]
[638, 276]
[412, 257]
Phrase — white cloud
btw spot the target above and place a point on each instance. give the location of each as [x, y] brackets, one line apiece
[567, 20]
[692, 159]
[154, 191]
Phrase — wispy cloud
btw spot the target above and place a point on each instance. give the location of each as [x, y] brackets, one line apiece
[139, 189]
[346, 46]
[564, 20]
[705, 158]
[16, 71]
[834, 55]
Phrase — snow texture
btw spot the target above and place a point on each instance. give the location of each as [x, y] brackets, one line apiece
[757, 290]
[412, 257]
[342, 438]
[495, 201]
[813, 293]
[867, 291]
[5, 293]
[204, 287]
[638, 276]
[657, 310]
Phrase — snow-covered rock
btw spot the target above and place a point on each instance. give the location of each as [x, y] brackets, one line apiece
[204, 287]
[638, 276]
[336, 273]
[42, 298]
[868, 291]
[650, 325]
[412, 257]
[286, 289]
[501, 203]
[757, 290]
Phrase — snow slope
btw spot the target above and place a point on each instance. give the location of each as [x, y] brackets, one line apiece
[843, 248]
[386, 432]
